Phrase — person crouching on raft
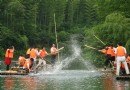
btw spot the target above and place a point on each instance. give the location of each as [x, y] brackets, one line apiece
[21, 60]
[128, 60]
[8, 56]
[28, 65]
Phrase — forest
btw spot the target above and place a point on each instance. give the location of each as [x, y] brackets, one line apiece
[24, 23]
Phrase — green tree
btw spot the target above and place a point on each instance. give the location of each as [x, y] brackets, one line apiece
[116, 28]
[69, 12]
[85, 13]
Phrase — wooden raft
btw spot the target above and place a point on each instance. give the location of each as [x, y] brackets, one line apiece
[10, 72]
[123, 77]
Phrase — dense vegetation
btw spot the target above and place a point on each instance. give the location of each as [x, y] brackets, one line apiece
[24, 23]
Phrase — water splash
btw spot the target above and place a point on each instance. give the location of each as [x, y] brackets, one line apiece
[76, 51]
[76, 55]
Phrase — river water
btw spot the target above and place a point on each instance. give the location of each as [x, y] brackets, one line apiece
[73, 73]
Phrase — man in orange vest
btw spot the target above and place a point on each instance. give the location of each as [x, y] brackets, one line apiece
[42, 54]
[110, 55]
[33, 56]
[120, 54]
[8, 56]
[54, 52]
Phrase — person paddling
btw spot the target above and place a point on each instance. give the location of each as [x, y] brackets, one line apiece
[110, 54]
[54, 52]
[42, 54]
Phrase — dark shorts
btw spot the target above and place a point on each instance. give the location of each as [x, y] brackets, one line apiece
[113, 58]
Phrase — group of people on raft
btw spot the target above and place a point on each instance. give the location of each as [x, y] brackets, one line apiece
[29, 62]
[118, 58]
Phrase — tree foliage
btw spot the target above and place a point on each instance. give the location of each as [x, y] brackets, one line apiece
[115, 28]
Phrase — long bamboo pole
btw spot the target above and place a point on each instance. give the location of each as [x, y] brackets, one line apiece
[90, 47]
[56, 37]
[99, 40]
[103, 44]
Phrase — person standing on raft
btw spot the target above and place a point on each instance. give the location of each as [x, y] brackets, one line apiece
[42, 54]
[8, 56]
[120, 54]
[54, 52]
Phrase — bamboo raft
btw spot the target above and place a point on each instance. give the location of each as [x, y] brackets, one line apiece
[10, 72]
[123, 77]
[113, 72]
[14, 71]
[20, 71]
[107, 70]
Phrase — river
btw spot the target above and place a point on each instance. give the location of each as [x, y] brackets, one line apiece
[74, 73]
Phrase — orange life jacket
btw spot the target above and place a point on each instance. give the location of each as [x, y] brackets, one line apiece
[43, 53]
[33, 53]
[9, 53]
[120, 51]
[27, 64]
[110, 51]
[53, 51]
[21, 60]
[113, 52]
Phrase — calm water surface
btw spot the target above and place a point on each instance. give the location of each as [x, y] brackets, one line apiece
[64, 80]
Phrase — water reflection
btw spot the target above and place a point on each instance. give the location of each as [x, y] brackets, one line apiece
[30, 83]
[77, 80]
[9, 83]
[120, 86]
[108, 83]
